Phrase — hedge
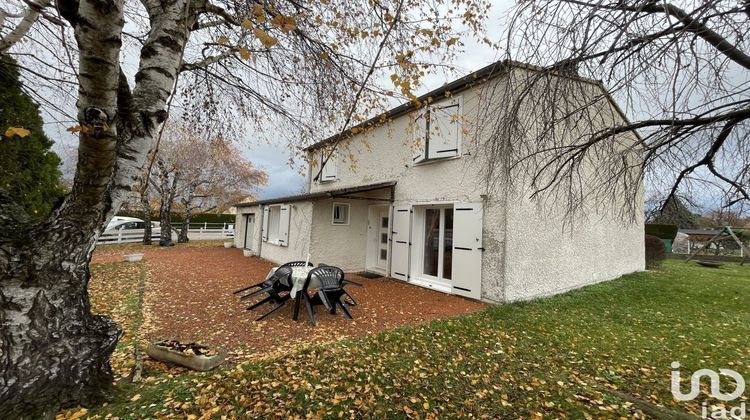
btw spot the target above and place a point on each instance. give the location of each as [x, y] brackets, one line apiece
[662, 231]
[655, 251]
[176, 217]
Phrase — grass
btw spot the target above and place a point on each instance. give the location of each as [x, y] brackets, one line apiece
[601, 351]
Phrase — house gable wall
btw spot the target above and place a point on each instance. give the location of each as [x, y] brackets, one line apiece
[549, 252]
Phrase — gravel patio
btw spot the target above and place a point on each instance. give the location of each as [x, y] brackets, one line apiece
[188, 296]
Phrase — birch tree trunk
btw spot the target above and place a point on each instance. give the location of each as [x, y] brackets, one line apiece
[53, 351]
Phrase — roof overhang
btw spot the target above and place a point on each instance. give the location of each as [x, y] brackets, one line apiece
[478, 77]
[340, 193]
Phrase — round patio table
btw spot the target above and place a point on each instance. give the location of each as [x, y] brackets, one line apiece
[298, 277]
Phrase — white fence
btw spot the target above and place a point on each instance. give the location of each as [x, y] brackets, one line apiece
[197, 231]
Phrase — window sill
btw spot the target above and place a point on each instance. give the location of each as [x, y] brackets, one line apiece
[435, 160]
[432, 284]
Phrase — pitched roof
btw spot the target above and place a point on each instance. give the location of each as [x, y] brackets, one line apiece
[340, 192]
[482, 75]
[478, 77]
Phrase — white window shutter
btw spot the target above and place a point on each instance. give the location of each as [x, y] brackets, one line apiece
[419, 137]
[401, 242]
[467, 250]
[284, 224]
[329, 172]
[445, 129]
[266, 217]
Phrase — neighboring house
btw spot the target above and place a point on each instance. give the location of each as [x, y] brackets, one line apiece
[413, 206]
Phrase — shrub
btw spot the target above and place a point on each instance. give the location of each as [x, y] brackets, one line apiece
[655, 251]
[662, 231]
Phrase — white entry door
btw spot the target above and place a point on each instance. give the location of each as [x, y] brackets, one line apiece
[249, 229]
[378, 244]
[382, 249]
[467, 249]
[400, 242]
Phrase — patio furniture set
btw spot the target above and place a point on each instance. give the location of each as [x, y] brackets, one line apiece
[295, 280]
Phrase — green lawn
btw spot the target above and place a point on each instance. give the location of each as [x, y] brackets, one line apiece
[604, 350]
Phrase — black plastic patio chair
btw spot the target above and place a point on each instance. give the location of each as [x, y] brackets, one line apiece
[352, 301]
[273, 287]
[279, 282]
[263, 283]
[330, 292]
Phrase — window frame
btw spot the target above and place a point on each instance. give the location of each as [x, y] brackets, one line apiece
[426, 113]
[333, 214]
[273, 237]
[333, 161]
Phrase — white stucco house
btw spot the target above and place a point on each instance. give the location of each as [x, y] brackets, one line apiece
[405, 200]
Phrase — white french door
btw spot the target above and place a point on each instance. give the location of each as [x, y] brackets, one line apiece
[437, 245]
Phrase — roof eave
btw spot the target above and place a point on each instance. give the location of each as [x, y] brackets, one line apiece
[319, 195]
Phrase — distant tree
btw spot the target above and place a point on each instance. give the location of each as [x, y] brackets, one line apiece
[215, 177]
[164, 180]
[674, 212]
[196, 172]
[29, 170]
[721, 216]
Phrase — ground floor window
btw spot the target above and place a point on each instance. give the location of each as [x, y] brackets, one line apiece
[276, 224]
[340, 214]
[274, 215]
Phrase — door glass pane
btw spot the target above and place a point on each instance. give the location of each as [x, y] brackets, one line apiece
[384, 222]
[383, 238]
[448, 244]
[431, 241]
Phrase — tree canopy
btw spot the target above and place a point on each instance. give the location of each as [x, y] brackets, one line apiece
[674, 212]
[29, 170]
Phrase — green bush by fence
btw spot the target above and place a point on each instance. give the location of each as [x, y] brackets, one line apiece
[662, 231]
[176, 217]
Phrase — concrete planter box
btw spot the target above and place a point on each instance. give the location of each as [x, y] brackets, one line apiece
[133, 257]
[228, 244]
[200, 363]
[247, 252]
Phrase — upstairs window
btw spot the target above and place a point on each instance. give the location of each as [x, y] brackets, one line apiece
[328, 173]
[437, 131]
[340, 214]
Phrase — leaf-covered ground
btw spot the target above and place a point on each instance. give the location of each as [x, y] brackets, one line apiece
[602, 351]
